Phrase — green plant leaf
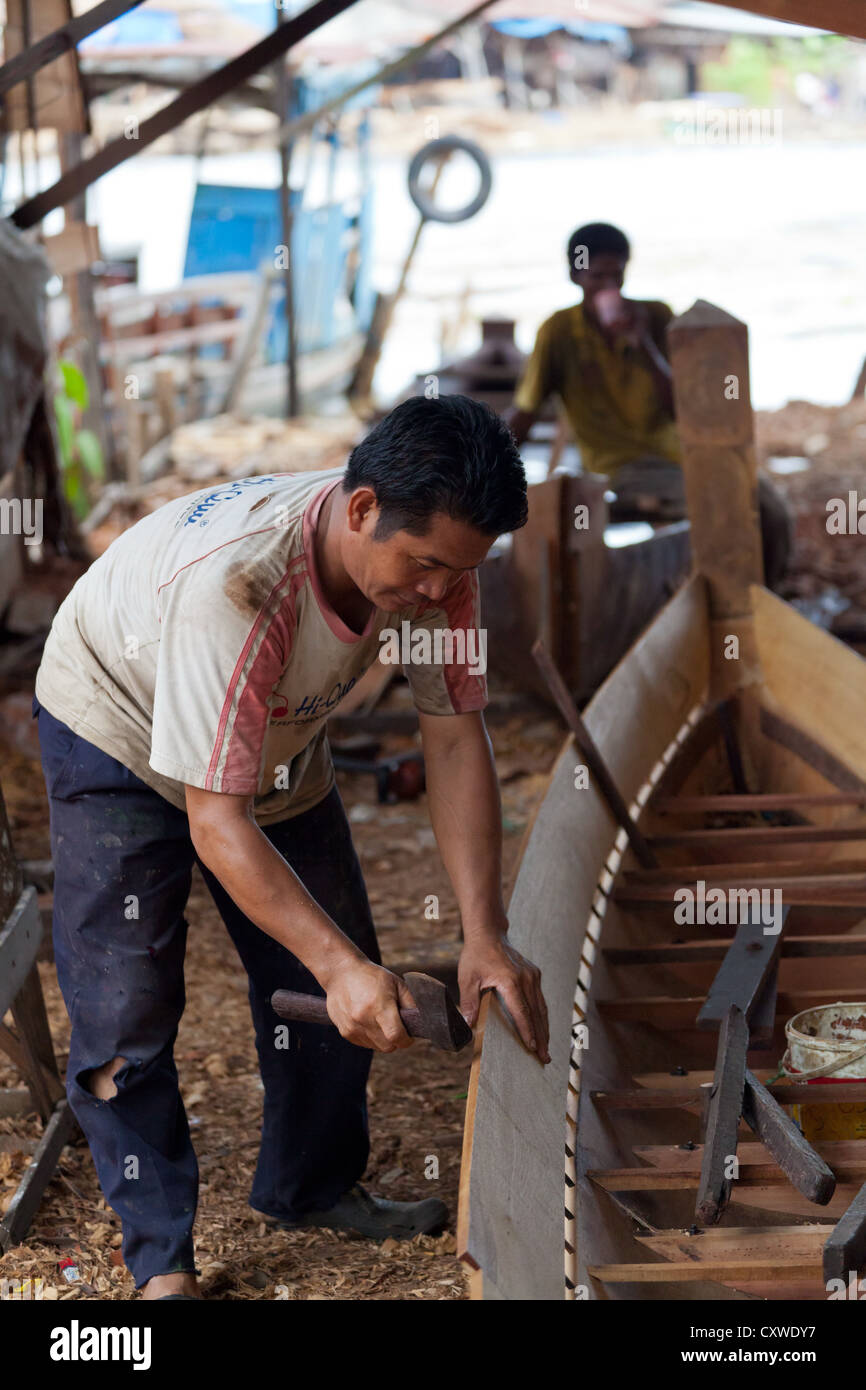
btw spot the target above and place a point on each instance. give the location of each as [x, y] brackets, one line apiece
[76, 495]
[90, 453]
[65, 429]
[74, 384]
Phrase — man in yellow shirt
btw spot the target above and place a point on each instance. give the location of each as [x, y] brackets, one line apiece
[606, 359]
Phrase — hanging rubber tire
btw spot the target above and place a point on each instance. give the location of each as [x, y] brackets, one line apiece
[446, 145]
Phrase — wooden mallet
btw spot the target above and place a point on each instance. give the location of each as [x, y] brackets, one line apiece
[435, 1018]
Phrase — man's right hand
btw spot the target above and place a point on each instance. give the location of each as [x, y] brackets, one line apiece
[364, 1002]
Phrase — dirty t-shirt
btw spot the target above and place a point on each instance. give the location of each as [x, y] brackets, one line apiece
[200, 649]
[608, 390]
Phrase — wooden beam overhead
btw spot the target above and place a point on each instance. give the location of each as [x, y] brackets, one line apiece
[839, 16]
[61, 40]
[195, 98]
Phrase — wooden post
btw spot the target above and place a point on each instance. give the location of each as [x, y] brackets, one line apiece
[282, 96]
[84, 318]
[710, 361]
[709, 352]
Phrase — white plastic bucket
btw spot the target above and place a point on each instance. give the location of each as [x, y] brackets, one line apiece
[828, 1044]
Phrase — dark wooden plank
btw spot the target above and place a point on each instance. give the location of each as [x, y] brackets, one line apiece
[713, 1271]
[794, 1154]
[829, 888]
[28, 1011]
[810, 751]
[61, 40]
[656, 884]
[28, 1195]
[767, 1175]
[20, 939]
[845, 1250]
[723, 1118]
[841, 16]
[743, 973]
[594, 759]
[47, 1081]
[690, 1097]
[760, 835]
[752, 801]
[667, 1011]
[762, 1020]
[733, 870]
[10, 873]
[193, 99]
[726, 717]
[673, 952]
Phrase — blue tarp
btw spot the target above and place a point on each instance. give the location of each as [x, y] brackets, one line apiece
[238, 228]
[582, 29]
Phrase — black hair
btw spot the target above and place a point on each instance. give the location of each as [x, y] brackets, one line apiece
[450, 454]
[599, 238]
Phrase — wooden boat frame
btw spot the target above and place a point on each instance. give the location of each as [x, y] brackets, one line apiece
[579, 1178]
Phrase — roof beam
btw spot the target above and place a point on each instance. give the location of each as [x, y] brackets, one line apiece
[201, 94]
[839, 16]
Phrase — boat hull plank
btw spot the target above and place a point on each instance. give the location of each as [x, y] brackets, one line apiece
[512, 1223]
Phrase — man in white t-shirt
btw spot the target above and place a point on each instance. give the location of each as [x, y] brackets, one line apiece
[182, 703]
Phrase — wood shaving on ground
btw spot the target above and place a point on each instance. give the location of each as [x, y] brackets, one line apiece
[417, 1097]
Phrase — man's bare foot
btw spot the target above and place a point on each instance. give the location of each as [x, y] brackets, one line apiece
[162, 1284]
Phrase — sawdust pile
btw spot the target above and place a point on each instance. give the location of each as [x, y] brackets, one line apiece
[417, 1097]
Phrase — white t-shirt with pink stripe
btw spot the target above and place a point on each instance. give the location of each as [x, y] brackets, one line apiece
[201, 650]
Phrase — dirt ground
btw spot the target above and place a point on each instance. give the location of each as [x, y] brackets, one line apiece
[417, 1097]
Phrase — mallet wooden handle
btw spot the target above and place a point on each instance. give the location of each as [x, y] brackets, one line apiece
[310, 1008]
[435, 1017]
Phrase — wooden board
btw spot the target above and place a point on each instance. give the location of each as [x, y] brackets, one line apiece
[754, 801]
[710, 362]
[845, 1251]
[690, 1097]
[725, 1102]
[742, 974]
[720, 1271]
[52, 97]
[812, 680]
[28, 1195]
[839, 16]
[512, 1189]
[665, 1011]
[843, 1155]
[800, 1163]
[740, 1243]
[793, 947]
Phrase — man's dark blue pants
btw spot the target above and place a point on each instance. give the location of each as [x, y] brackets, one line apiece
[123, 861]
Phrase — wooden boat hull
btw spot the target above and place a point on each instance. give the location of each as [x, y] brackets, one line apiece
[575, 1184]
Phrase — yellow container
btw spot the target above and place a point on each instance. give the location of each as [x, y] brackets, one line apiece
[828, 1044]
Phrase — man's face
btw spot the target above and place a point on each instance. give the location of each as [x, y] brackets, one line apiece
[605, 271]
[405, 570]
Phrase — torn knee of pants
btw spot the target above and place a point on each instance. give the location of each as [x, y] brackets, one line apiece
[103, 1082]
